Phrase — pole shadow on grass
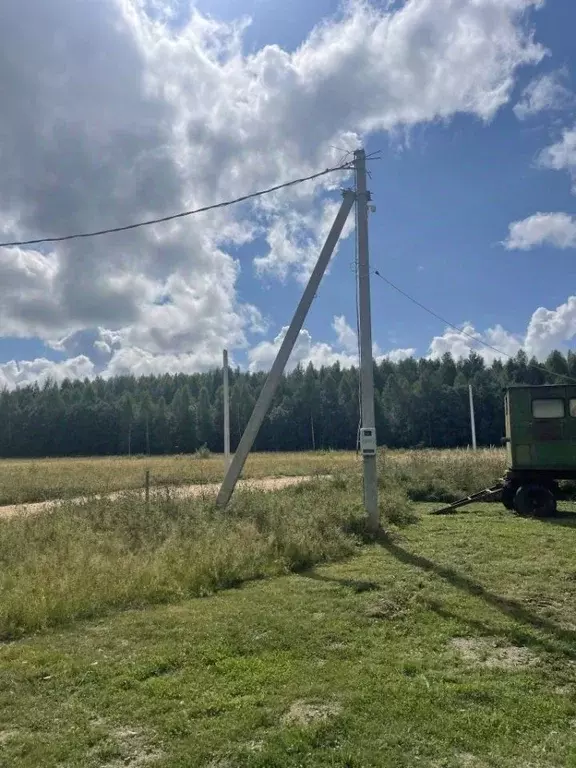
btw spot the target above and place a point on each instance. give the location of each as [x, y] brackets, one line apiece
[354, 584]
[508, 606]
[522, 638]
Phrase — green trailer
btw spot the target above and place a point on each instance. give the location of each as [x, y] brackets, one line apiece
[541, 449]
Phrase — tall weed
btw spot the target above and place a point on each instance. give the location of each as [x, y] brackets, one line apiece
[83, 560]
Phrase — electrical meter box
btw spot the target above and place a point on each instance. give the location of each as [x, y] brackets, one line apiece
[368, 441]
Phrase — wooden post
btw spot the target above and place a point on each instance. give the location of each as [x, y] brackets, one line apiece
[147, 489]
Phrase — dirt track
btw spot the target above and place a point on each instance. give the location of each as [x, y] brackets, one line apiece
[176, 491]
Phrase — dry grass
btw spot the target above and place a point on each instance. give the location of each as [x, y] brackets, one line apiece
[442, 476]
[26, 480]
[427, 475]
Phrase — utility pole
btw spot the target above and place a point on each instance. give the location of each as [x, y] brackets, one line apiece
[226, 411]
[270, 385]
[368, 432]
[472, 416]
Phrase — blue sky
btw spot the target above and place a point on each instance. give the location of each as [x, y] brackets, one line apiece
[445, 197]
[456, 172]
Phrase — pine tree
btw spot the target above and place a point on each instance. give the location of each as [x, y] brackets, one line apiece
[204, 429]
[127, 420]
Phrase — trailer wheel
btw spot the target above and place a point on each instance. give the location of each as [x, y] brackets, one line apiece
[534, 501]
[507, 497]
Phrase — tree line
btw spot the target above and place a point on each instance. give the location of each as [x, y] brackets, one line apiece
[419, 403]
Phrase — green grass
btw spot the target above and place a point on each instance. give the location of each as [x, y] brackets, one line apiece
[449, 644]
[86, 559]
[179, 635]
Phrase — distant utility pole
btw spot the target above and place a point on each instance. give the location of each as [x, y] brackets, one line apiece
[472, 416]
[368, 431]
[226, 411]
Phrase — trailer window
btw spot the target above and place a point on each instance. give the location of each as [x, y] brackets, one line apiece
[573, 407]
[548, 409]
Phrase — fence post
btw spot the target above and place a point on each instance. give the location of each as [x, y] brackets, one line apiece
[147, 489]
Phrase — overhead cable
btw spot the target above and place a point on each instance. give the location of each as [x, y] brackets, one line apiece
[462, 331]
[181, 215]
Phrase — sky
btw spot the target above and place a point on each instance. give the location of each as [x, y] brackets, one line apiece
[114, 111]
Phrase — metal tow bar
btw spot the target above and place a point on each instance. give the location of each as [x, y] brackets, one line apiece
[484, 495]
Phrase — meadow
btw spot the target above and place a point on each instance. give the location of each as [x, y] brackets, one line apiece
[276, 632]
[425, 472]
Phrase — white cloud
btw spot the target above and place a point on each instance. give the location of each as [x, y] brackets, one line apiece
[551, 329]
[27, 280]
[459, 343]
[397, 355]
[139, 362]
[557, 229]
[544, 93]
[14, 374]
[295, 239]
[561, 156]
[305, 351]
[169, 119]
[547, 331]
[346, 335]
[345, 352]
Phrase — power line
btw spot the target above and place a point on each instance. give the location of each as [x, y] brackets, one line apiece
[181, 215]
[463, 332]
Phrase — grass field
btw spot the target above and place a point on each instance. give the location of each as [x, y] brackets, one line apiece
[276, 634]
[26, 480]
[38, 480]
[450, 644]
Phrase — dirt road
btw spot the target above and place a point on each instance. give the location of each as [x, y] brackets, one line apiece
[176, 491]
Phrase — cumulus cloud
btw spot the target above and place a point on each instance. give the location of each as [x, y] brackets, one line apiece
[41, 370]
[551, 329]
[140, 362]
[347, 337]
[561, 156]
[556, 229]
[295, 239]
[459, 343]
[305, 351]
[397, 355]
[544, 94]
[344, 351]
[110, 115]
[547, 330]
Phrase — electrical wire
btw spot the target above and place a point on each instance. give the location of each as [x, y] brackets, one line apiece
[342, 167]
[547, 371]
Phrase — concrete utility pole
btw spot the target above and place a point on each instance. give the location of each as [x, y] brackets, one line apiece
[368, 432]
[472, 416]
[226, 411]
[268, 390]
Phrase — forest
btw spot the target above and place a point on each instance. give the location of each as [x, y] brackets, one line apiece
[419, 403]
